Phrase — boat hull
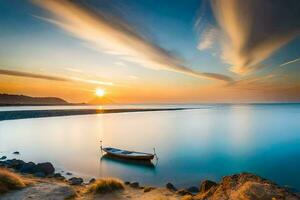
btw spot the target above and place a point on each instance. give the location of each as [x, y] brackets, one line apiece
[132, 155]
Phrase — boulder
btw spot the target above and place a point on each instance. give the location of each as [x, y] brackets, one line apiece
[69, 174]
[171, 187]
[58, 176]
[193, 189]
[135, 185]
[246, 186]
[183, 192]
[3, 158]
[40, 174]
[46, 168]
[28, 168]
[16, 153]
[75, 181]
[148, 189]
[206, 185]
[14, 163]
[126, 182]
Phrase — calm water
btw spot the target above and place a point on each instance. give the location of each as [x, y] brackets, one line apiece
[192, 145]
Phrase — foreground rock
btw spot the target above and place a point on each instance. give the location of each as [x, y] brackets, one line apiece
[206, 185]
[40, 169]
[171, 187]
[3, 157]
[245, 186]
[75, 181]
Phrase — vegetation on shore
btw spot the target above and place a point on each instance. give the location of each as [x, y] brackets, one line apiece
[10, 181]
[106, 185]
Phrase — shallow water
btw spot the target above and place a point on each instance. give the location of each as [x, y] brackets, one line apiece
[192, 145]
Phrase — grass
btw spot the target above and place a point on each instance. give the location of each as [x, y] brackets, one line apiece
[187, 197]
[106, 185]
[10, 181]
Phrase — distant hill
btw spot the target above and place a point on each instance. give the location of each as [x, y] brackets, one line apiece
[9, 99]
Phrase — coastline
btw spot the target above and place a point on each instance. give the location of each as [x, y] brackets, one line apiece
[24, 114]
[42, 182]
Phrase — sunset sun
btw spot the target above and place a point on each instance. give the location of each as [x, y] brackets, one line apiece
[100, 92]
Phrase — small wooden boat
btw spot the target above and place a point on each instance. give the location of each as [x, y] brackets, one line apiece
[145, 164]
[125, 154]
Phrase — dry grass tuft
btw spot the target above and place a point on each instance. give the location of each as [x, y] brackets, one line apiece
[10, 181]
[187, 197]
[106, 185]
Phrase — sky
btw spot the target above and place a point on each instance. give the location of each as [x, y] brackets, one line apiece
[145, 51]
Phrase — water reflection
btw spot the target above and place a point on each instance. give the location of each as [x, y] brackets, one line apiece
[191, 144]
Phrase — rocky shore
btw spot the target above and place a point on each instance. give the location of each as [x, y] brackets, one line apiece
[47, 184]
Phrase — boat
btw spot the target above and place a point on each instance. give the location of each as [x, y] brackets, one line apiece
[125, 154]
[144, 164]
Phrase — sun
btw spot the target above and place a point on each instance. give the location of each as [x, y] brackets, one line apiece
[100, 92]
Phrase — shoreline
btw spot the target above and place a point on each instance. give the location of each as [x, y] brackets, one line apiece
[46, 183]
[24, 114]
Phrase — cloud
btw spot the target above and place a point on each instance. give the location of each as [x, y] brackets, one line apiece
[30, 75]
[110, 35]
[208, 38]
[290, 62]
[92, 81]
[52, 78]
[255, 29]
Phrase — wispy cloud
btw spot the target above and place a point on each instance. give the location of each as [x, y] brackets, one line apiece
[208, 38]
[113, 36]
[255, 29]
[92, 81]
[30, 75]
[289, 62]
[53, 78]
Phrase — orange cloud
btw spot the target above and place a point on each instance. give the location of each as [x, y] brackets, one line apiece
[110, 35]
[255, 29]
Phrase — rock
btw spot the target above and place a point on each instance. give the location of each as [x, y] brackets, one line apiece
[16, 153]
[127, 183]
[46, 167]
[183, 192]
[28, 168]
[59, 176]
[14, 163]
[92, 180]
[148, 189]
[75, 181]
[40, 174]
[135, 184]
[206, 185]
[69, 174]
[171, 187]
[193, 189]
[3, 158]
[246, 186]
